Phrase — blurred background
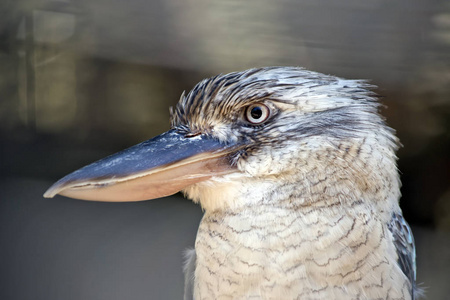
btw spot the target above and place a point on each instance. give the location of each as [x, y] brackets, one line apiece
[82, 79]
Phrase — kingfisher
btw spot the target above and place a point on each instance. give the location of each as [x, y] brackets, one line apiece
[296, 173]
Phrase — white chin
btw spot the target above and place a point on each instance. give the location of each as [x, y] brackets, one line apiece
[227, 192]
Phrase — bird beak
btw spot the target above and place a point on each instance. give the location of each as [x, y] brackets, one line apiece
[155, 168]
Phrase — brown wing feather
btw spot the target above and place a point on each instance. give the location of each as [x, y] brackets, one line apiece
[406, 251]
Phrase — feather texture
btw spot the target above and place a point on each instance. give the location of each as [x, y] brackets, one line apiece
[312, 210]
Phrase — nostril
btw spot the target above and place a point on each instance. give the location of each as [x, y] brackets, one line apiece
[192, 134]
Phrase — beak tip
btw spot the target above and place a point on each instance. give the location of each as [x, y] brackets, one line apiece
[53, 191]
[49, 194]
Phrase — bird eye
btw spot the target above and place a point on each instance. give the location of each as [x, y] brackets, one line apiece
[257, 113]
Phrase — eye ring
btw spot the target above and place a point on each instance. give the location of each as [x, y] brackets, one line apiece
[257, 113]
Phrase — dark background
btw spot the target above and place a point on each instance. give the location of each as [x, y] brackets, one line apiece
[82, 79]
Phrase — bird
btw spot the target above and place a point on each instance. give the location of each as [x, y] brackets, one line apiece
[296, 172]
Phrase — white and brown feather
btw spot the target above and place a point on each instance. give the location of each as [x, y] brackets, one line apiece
[308, 214]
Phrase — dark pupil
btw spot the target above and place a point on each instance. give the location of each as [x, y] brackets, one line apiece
[256, 112]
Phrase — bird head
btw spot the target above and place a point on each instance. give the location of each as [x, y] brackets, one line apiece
[261, 135]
